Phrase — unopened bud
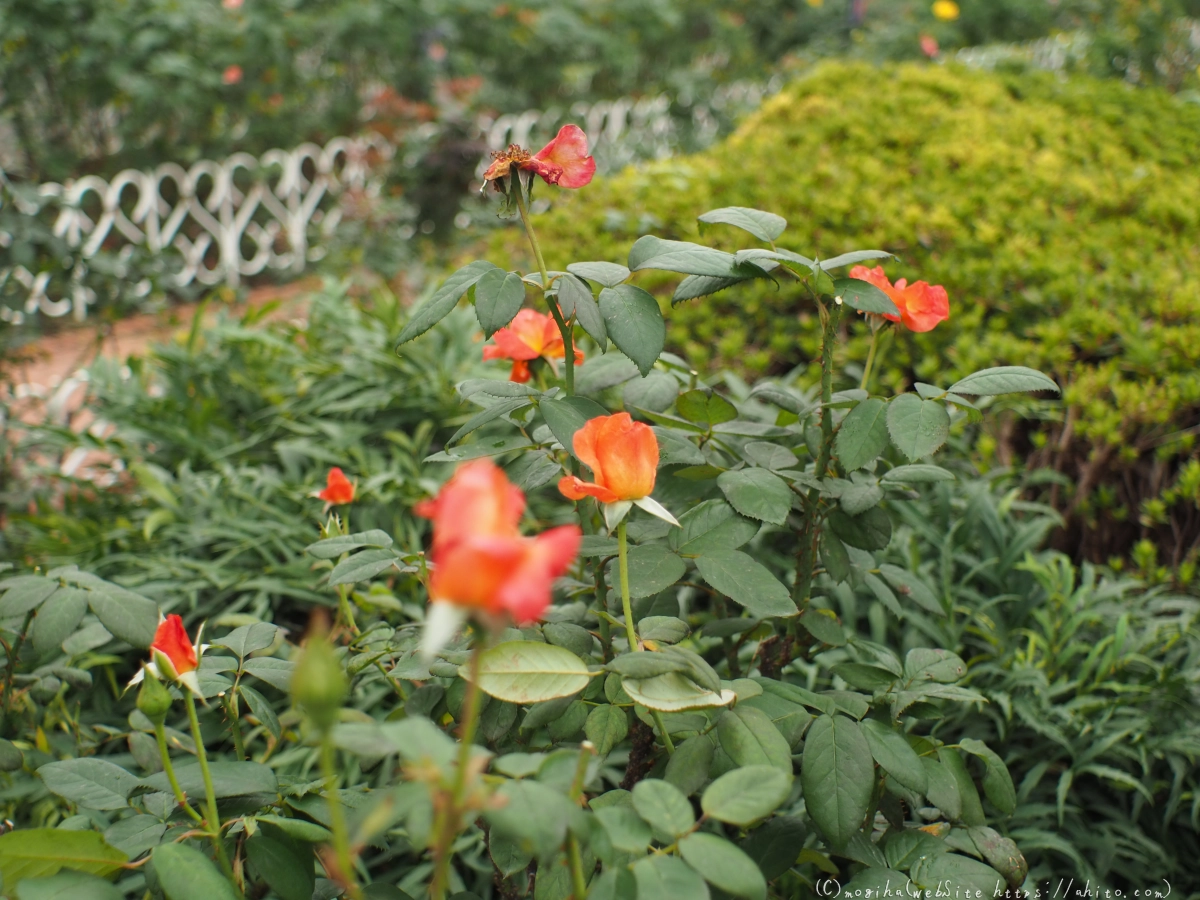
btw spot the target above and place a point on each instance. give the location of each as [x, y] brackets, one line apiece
[319, 684]
[154, 700]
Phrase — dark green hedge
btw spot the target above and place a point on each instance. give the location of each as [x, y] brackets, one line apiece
[1063, 217]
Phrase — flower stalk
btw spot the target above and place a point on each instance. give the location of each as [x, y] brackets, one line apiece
[212, 817]
[337, 817]
[160, 734]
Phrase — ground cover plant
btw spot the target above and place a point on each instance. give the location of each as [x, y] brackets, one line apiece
[1092, 280]
[739, 733]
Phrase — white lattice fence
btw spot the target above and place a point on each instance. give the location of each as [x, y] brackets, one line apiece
[222, 220]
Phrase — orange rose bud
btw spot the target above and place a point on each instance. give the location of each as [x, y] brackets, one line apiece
[338, 488]
[623, 457]
[171, 649]
[530, 335]
[922, 305]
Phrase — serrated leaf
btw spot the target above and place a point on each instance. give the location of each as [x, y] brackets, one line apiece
[529, 672]
[920, 473]
[25, 593]
[1004, 380]
[863, 296]
[757, 493]
[608, 274]
[750, 738]
[362, 566]
[686, 258]
[746, 794]
[499, 296]
[652, 568]
[41, 852]
[664, 807]
[128, 616]
[705, 407]
[332, 548]
[635, 324]
[723, 865]
[58, 618]
[248, 638]
[852, 258]
[666, 876]
[763, 225]
[711, 525]
[184, 873]
[575, 299]
[997, 782]
[895, 755]
[67, 885]
[747, 582]
[444, 299]
[839, 777]
[863, 434]
[606, 726]
[917, 427]
[91, 782]
[696, 286]
[673, 693]
[563, 419]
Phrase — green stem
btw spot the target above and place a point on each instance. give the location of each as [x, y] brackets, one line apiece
[210, 795]
[443, 849]
[627, 609]
[235, 725]
[602, 606]
[563, 328]
[807, 551]
[337, 817]
[161, 734]
[575, 858]
[866, 377]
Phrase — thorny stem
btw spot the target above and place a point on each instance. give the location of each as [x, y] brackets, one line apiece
[627, 609]
[563, 329]
[807, 552]
[337, 818]
[168, 767]
[11, 663]
[602, 606]
[210, 795]
[450, 816]
[574, 857]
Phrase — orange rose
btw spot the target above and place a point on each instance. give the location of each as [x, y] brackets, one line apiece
[338, 488]
[173, 656]
[921, 305]
[530, 335]
[481, 563]
[564, 161]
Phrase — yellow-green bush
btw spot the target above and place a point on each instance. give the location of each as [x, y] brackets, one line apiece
[1063, 217]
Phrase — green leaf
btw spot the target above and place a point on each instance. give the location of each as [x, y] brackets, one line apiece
[871, 530]
[608, 274]
[533, 816]
[917, 427]
[563, 419]
[656, 392]
[903, 848]
[664, 807]
[135, 835]
[997, 782]
[606, 727]
[750, 738]
[746, 794]
[67, 885]
[647, 665]
[895, 755]
[575, 298]
[652, 568]
[943, 788]
[853, 258]
[444, 299]
[362, 566]
[664, 629]
[626, 830]
[58, 618]
[921, 473]
[635, 324]
[863, 296]
[490, 414]
[25, 593]
[673, 693]
[499, 296]
[91, 782]
[128, 616]
[248, 638]
[332, 548]
[667, 876]
[675, 449]
[972, 809]
[927, 664]
[285, 866]
[1004, 380]
[696, 286]
[864, 677]
[747, 582]
[40, 852]
[723, 865]
[863, 434]
[775, 845]
[712, 525]
[876, 881]
[261, 710]
[507, 854]
[705, 407]
[956, 873]
[184, 873]
[688, 767]
[686, 258]
[906, 584]
[529, 672]
[300, 829]
[838, 776]
[834, 556]
[479, 449]
[275, 672]
[11, 758]
[230, 779]
[1001, 852]
[757, 493]
[763, 225]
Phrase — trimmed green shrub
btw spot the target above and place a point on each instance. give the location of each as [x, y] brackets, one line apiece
[1060, 215]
